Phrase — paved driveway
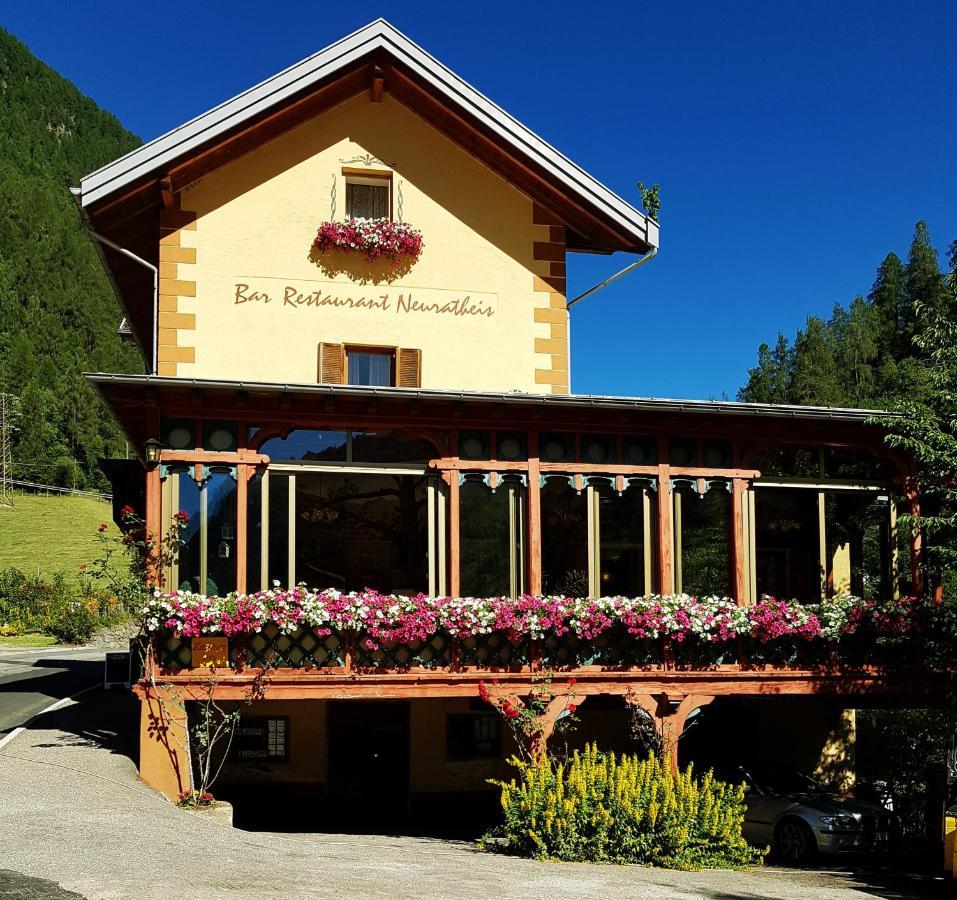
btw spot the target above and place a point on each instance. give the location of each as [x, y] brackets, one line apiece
[30, 680]
[74, 815]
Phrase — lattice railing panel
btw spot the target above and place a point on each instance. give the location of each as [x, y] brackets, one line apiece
[299, 649]
[429, 654]
[175, 652]
[614, 647]
[495, 650]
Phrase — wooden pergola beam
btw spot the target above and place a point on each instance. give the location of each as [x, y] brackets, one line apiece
[902, 686]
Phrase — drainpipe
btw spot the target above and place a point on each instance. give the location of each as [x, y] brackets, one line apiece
[102, 239]
[638, 263]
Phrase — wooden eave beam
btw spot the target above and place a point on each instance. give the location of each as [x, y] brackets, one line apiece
[378, 84]
[354, 412]
[167, 194]
[893, 686]
[270, 126]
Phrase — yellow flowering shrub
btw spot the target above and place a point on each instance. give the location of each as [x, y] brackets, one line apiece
[624, 809]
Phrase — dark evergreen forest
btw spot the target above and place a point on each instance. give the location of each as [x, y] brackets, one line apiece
[865, 355]
[58, 315]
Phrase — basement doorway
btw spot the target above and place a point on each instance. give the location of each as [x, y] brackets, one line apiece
[369, 761]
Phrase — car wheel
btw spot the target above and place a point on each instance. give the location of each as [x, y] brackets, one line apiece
[794, 842]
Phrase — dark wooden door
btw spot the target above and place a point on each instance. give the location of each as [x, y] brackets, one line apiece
[369, 758]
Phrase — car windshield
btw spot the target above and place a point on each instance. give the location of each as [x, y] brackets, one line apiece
[779, 780]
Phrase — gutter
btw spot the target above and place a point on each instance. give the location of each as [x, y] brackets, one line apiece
[102, 239]
[99, 380]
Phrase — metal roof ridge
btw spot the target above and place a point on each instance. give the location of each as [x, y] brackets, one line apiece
[597, 400]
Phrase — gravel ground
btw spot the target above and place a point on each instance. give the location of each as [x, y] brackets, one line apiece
[74, 815]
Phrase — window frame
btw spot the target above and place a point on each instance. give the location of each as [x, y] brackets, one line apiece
[371, 179]
[823, 488]
[517, 512]
[373, 350]
[436, 514]
[474, 716]
[269, 757]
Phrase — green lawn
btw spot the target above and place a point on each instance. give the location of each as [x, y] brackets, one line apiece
[51, 533]
[31, 640]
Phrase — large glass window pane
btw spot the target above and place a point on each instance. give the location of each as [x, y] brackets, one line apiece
[190, 553]
[254, 533]
[623, 529]
[221, 533]
[857, 527]
[278, 528]
[788, 462]
[564, 539]
[703, 541]
[308, 444]
[390, 447]
[356, 531]
[848, 464]
[490, 539]
[787, 543]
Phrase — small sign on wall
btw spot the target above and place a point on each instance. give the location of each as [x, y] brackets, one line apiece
[261, 739]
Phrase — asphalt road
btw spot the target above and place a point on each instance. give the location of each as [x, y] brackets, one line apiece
[30, 680]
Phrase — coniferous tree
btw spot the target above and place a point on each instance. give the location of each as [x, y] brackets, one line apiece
[58, 315]
[855, 332]
[816, 381]
[923, 284]
[892, 313]
[770, 380]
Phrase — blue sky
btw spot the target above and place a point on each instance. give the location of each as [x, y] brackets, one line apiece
[795, 142]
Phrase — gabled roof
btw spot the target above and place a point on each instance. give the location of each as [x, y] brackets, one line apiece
[408, 73]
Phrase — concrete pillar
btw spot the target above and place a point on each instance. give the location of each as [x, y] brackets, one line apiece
[164, 762]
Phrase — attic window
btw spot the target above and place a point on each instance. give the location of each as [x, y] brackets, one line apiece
[368, 197]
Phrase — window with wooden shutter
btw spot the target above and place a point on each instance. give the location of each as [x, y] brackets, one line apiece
[408, 367]
[332, 364]
[368, 198]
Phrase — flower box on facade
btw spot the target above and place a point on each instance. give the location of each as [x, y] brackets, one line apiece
[374, 239]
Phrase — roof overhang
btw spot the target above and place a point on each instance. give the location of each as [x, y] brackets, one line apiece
[129, 398]
[122, 199]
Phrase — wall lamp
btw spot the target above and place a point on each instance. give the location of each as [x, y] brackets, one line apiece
[153, 448]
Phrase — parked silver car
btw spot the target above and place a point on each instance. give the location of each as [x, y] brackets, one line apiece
[798, 817]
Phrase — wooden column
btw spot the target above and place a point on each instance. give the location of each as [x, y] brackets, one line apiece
[739, 552]
[243, 474]
[153, 514]
[668, 715]
[534, 516]
[916, 538]
[666, 562]
[154, 521]
[454, 548]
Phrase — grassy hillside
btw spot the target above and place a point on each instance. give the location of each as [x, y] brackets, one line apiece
[54, 534]
[58, 315]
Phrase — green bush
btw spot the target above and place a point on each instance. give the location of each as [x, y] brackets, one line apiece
[72, 622]
[69, 614]
[601, 808]
[27, 602]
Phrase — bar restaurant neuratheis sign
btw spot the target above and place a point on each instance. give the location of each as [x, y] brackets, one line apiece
[423, 303]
